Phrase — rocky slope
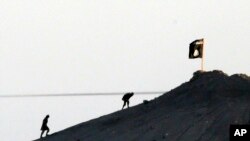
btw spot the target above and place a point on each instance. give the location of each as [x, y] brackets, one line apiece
[199, 110]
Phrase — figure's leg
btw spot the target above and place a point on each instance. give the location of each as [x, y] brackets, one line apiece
[47, 132]
[42, 134]
[124, 103]
[128, 103]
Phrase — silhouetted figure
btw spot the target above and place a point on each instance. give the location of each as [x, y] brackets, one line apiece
[45, 126]
[126, 98]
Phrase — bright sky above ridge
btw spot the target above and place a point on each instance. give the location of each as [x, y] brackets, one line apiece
[88, 46]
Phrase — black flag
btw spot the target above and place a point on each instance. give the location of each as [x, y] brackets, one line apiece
[196, 49]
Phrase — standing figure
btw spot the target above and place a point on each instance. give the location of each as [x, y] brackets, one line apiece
[126, 98]
[45, 126]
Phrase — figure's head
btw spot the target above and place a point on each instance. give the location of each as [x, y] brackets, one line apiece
[47, 116]
[132, 93]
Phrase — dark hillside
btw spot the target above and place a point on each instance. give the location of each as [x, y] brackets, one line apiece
[199, 110]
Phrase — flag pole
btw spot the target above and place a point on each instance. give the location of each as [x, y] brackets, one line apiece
[202, 59]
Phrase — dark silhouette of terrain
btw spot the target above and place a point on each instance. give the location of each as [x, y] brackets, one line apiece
[199, 110]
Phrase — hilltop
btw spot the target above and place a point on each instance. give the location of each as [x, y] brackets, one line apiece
[199, 110]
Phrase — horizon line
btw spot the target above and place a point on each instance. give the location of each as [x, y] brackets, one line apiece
[79, 94]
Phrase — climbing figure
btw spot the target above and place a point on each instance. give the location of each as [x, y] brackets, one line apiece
[126, 98]
[45, 126]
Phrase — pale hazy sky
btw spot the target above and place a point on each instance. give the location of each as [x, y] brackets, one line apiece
[67, 46]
